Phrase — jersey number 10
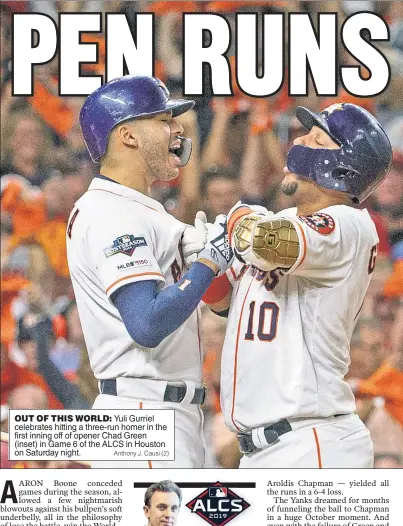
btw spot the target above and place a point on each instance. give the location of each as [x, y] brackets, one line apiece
[265, 331]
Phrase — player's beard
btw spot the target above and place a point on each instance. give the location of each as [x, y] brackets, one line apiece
[156, 159]
[289, 188]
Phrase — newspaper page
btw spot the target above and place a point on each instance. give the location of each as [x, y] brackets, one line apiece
[128, 405]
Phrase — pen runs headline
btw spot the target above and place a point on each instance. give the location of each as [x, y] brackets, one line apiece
[260, 58]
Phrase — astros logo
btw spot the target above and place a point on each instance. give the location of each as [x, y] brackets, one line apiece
[334, 107]
[321, 223]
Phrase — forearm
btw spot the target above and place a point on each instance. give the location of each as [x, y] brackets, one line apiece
[218, 295]
[215, 146]
[68, 394]
[190, 174]
[167, 50]
[150, 315]
[275, 155]
[252, 180]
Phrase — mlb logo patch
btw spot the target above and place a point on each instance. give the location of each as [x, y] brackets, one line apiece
[217, 492]
[125, 244]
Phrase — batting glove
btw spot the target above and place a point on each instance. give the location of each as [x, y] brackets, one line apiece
[218, 249]
[194, 239]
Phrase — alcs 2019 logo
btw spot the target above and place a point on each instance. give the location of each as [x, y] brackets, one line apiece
[218, 505]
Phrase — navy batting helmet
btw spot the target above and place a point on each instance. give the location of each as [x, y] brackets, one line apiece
[359, 165]
[125, 98]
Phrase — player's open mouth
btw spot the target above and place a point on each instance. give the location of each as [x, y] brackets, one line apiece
[173, 151]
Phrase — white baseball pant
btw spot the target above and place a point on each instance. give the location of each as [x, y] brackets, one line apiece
[335, 442]
[189, 439]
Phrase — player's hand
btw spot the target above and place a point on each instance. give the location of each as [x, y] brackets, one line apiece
[194, 239]
[218, 250]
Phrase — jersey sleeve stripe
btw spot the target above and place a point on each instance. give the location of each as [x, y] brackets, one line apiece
[231, 275]
[303, 237]
[317, 448]
[133, 276]
[236, 356]
[238, 214]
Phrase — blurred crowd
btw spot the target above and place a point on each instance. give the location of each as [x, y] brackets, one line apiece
[239, 152]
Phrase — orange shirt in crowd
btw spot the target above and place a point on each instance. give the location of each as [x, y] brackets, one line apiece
[52, 109]
[11, 285]
[393, 287]
[52, 238]
[386, 382]
[12, 376]
[161, 8]
[27, 208]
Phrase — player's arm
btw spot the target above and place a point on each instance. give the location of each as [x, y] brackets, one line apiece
[267, 243]
[320, 247]
[218, 295]
[150, 315]
[262, 239]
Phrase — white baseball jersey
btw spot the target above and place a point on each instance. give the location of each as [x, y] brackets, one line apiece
[286, 350]
[117, 236]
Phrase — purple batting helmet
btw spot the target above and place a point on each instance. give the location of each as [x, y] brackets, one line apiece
[122, 99]
[359, 165]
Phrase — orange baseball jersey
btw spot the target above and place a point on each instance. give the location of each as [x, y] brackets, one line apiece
[117, 236]
[286, 350]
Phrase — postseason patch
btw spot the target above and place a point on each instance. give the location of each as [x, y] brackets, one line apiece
[126, 244]
[321, 223]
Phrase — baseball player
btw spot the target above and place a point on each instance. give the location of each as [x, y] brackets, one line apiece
[294, 297]
[127, 255]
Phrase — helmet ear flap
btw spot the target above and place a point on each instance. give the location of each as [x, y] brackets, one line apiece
[346, 175]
